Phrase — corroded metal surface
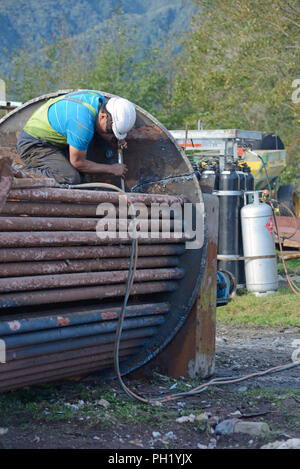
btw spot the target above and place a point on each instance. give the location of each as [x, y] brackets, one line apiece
[152, 151]
[42, 297]
[40, 282]
[159, 172]
[43, 347]
[60, 318]
[76, 224]
[86, 252]
[192, 351]
[15, 269]
[88, 196]
[5, 179]
[52, 209]
[77, 238]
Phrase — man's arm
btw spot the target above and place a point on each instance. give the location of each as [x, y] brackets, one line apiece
[79, 161]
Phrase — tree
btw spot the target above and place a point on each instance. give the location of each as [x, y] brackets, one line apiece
[123, 66]
[239, 64]
[60, 65]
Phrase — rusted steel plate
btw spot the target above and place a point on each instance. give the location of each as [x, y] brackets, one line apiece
[194, 345]
[40, 282]
[18, 269]
[8, 300]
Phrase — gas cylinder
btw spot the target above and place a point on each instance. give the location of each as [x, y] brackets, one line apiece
[228, 193]
[209, 177]
[240, 264]
[259, 247]
[249, 178]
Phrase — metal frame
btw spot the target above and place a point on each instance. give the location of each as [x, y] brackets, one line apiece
[223, 142]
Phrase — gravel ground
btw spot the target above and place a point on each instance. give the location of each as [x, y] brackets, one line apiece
[241, 350]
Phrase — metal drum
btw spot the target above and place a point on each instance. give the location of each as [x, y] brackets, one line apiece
[61, 287]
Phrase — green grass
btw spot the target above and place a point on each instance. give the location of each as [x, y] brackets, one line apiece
[51, 403]
[293, 265]
[290, 412]
[280, 309]
[45, 403]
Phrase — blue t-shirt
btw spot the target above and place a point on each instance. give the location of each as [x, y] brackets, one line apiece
[75, 120]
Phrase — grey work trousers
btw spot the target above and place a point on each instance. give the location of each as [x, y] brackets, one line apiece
[43, 158]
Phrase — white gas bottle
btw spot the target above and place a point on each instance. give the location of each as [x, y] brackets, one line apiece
[258, 243]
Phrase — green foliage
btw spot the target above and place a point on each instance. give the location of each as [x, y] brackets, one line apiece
[120, 66]
[238, 65]
[31, 24]
[60, 66]
[236, 69]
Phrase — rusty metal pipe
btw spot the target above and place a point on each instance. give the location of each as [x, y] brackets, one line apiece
[40, 282]
[62, 346]
[24, 183]
[66, 317]
[88, 196]
[86, 252]
[60, 295]
[44, 238]
[75, 224]
[23, 373]
[55, 375]
[83, 330]
[18, 365]
[48, 209]
[20, 269]
[52, 209]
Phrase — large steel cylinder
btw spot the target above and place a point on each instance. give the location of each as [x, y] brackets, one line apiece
[229, 196]
[240, 264]
[62, 287]
[259, 247]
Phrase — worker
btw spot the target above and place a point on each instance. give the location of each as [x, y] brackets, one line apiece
[55, 140]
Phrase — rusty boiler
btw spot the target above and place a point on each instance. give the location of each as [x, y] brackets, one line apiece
[62, 287]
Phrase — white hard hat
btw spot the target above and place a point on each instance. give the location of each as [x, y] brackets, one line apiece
[123, 116]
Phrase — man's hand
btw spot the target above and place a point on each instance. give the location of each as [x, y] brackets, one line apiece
[119, 170]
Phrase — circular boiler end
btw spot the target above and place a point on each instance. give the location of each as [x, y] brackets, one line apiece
[156, 165]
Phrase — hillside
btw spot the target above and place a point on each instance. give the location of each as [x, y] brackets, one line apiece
[30, 24]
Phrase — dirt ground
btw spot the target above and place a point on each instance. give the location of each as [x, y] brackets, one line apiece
[38, 417]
